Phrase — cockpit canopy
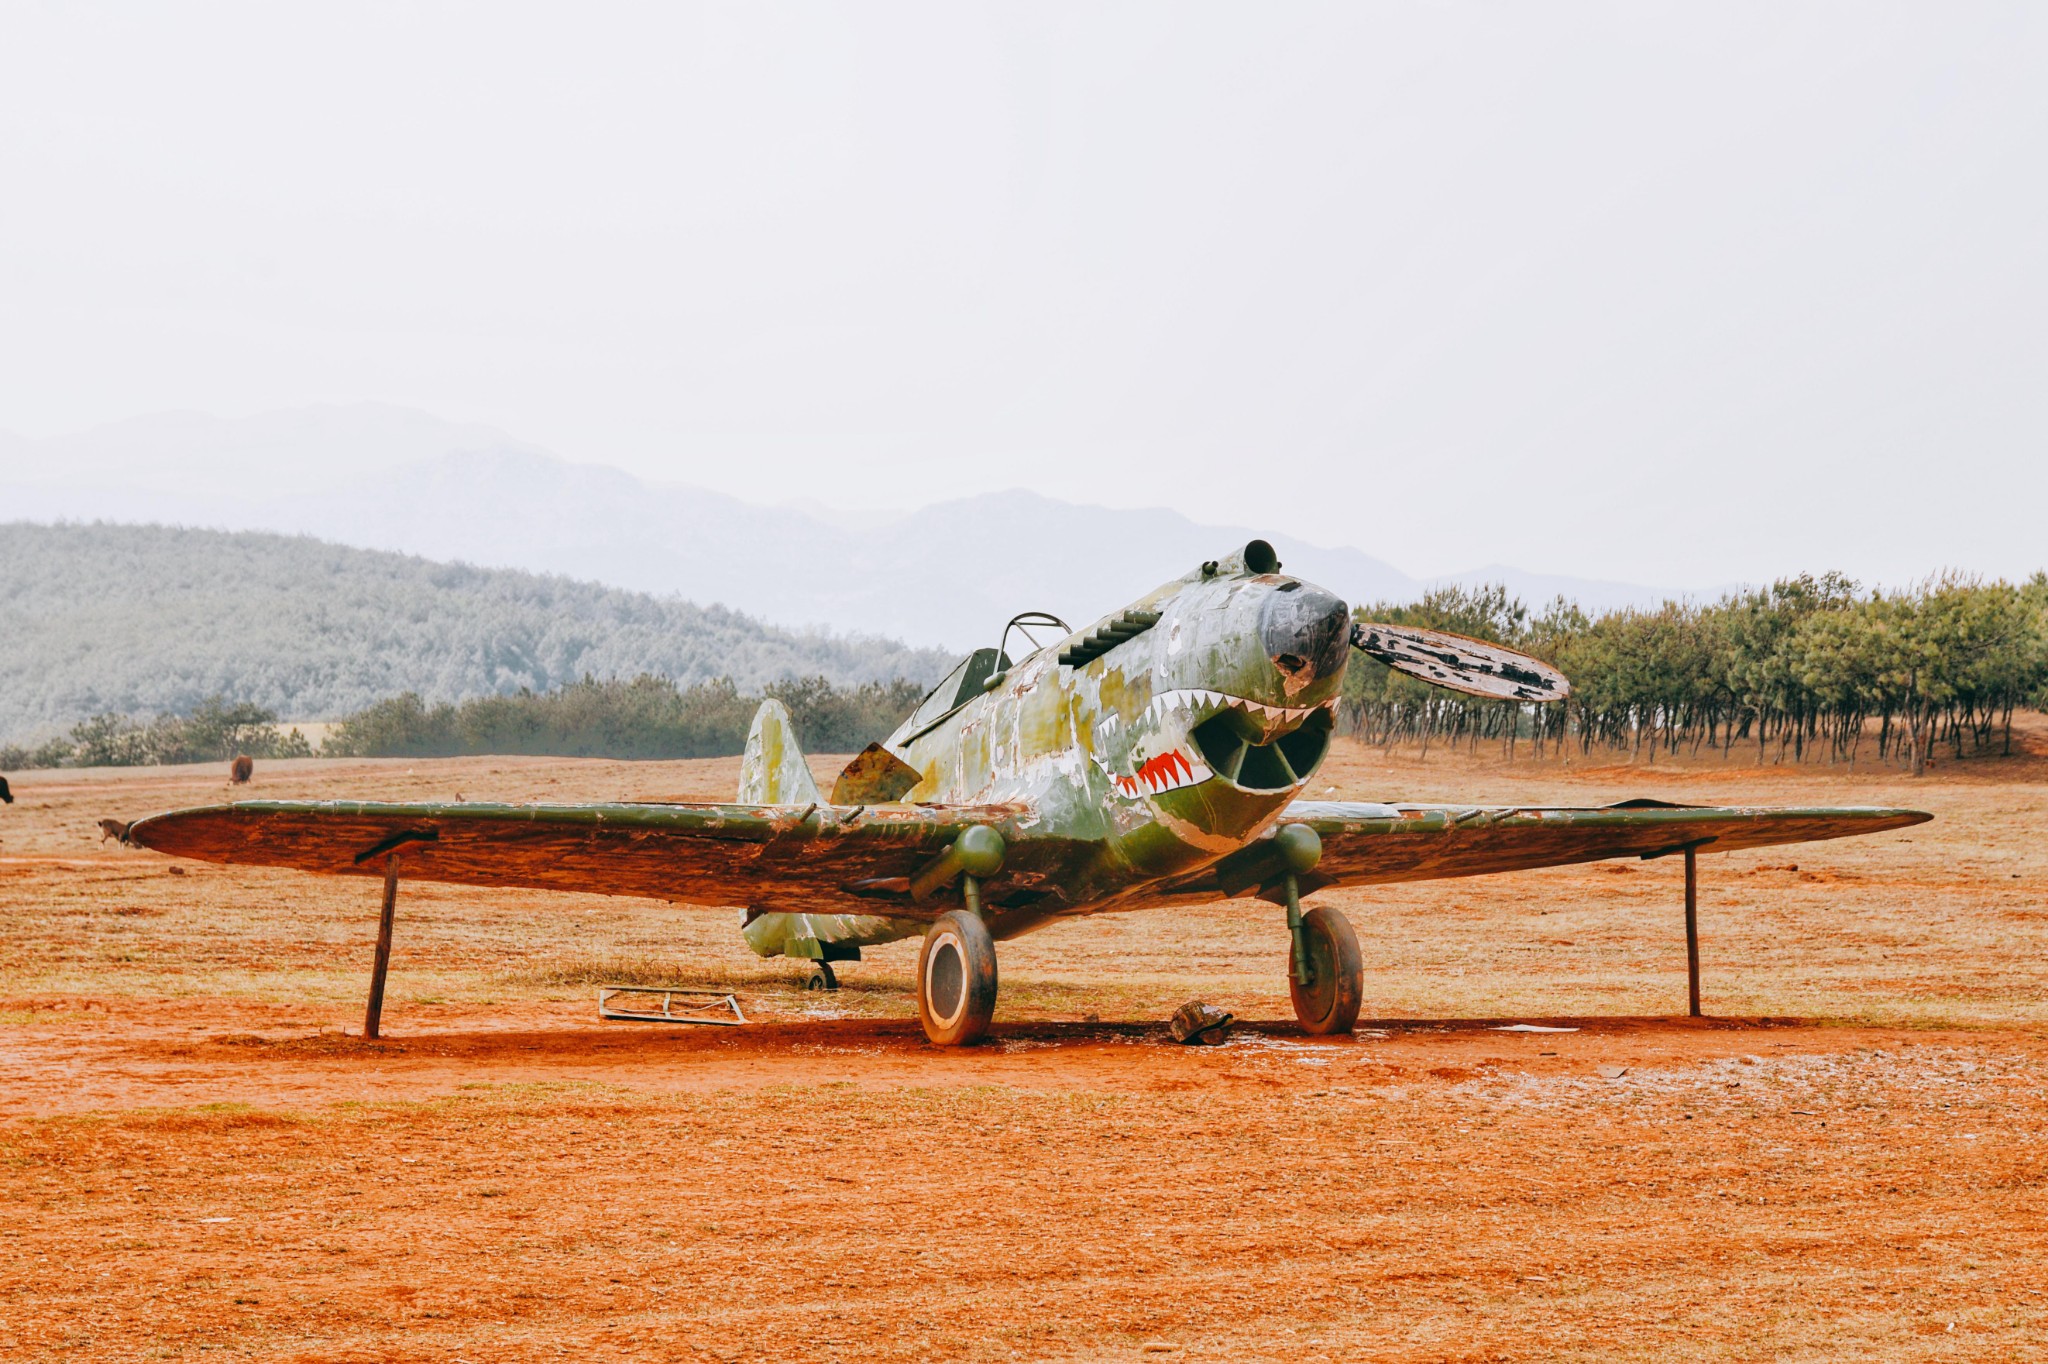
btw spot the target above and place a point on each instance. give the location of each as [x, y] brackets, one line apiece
[960, 686]
[971, 676]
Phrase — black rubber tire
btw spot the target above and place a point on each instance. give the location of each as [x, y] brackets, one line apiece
[956, 980]
[1329, 1003]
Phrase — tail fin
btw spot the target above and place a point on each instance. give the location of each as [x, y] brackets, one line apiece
[774, 771]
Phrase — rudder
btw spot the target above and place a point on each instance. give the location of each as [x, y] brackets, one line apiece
[774, 772]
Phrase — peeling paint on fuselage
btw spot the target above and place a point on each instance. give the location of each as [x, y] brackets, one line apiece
[1103, 757]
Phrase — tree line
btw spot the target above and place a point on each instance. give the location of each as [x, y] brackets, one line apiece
[646, 717]
[216, 730]
[1808, 669]
[1811, 669]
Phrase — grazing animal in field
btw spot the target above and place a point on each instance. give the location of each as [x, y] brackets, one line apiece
[5, 794]
[113, 828]
[244, 768]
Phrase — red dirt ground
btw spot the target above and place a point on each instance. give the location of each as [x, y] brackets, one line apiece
[194, 1160]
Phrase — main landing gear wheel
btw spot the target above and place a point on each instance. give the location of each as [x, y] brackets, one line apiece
[1330, 1001]
[956, 980]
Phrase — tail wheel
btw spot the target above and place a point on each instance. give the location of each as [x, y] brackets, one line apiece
[956, 980]
[1330, 1001]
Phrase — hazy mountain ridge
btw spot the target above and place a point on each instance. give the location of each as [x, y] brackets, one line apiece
[948, 574]
[144, 619]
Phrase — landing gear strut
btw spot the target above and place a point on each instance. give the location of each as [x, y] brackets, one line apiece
[956, 979]
[1325, 974]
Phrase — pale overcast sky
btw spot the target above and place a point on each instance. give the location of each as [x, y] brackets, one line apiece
[1679, 294]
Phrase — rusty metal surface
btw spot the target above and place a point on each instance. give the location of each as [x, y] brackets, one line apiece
[874, 777]
[721, 855]
[679, 1004]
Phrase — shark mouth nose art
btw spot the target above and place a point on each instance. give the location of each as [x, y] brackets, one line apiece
[1263, 761]
[1180, 736]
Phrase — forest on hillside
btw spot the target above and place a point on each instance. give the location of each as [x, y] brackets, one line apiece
[139, 622]
[1810, 669]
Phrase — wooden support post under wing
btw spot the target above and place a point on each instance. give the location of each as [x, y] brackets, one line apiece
[373, 1014]
[1692, 928]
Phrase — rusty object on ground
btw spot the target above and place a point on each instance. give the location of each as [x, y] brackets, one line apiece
[243, 768]
[1196, 1024]
[678, 1004]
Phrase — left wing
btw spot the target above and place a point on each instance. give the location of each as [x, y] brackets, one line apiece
[815, 859]
[1366, 844]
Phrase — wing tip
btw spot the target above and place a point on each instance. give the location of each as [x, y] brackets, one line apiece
[161, 832]
[143, 832]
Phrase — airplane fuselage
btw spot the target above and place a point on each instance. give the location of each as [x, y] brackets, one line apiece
[1164, 738]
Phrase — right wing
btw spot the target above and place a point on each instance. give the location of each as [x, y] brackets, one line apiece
[1365, 844]
[1421, 843]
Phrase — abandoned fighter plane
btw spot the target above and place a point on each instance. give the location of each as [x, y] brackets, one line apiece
[1150, 760]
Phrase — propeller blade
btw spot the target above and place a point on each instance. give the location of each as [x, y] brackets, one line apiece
[1456, 663]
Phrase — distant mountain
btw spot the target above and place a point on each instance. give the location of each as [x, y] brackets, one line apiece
[145, 619]
[949, 574]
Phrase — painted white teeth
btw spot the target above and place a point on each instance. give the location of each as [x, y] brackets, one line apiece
[1201, 699]
[1200, 703]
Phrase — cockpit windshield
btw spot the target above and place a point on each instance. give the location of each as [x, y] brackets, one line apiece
[970, 676]
[962, 685]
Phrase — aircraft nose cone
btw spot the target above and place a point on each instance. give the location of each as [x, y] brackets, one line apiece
[1307, 632]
